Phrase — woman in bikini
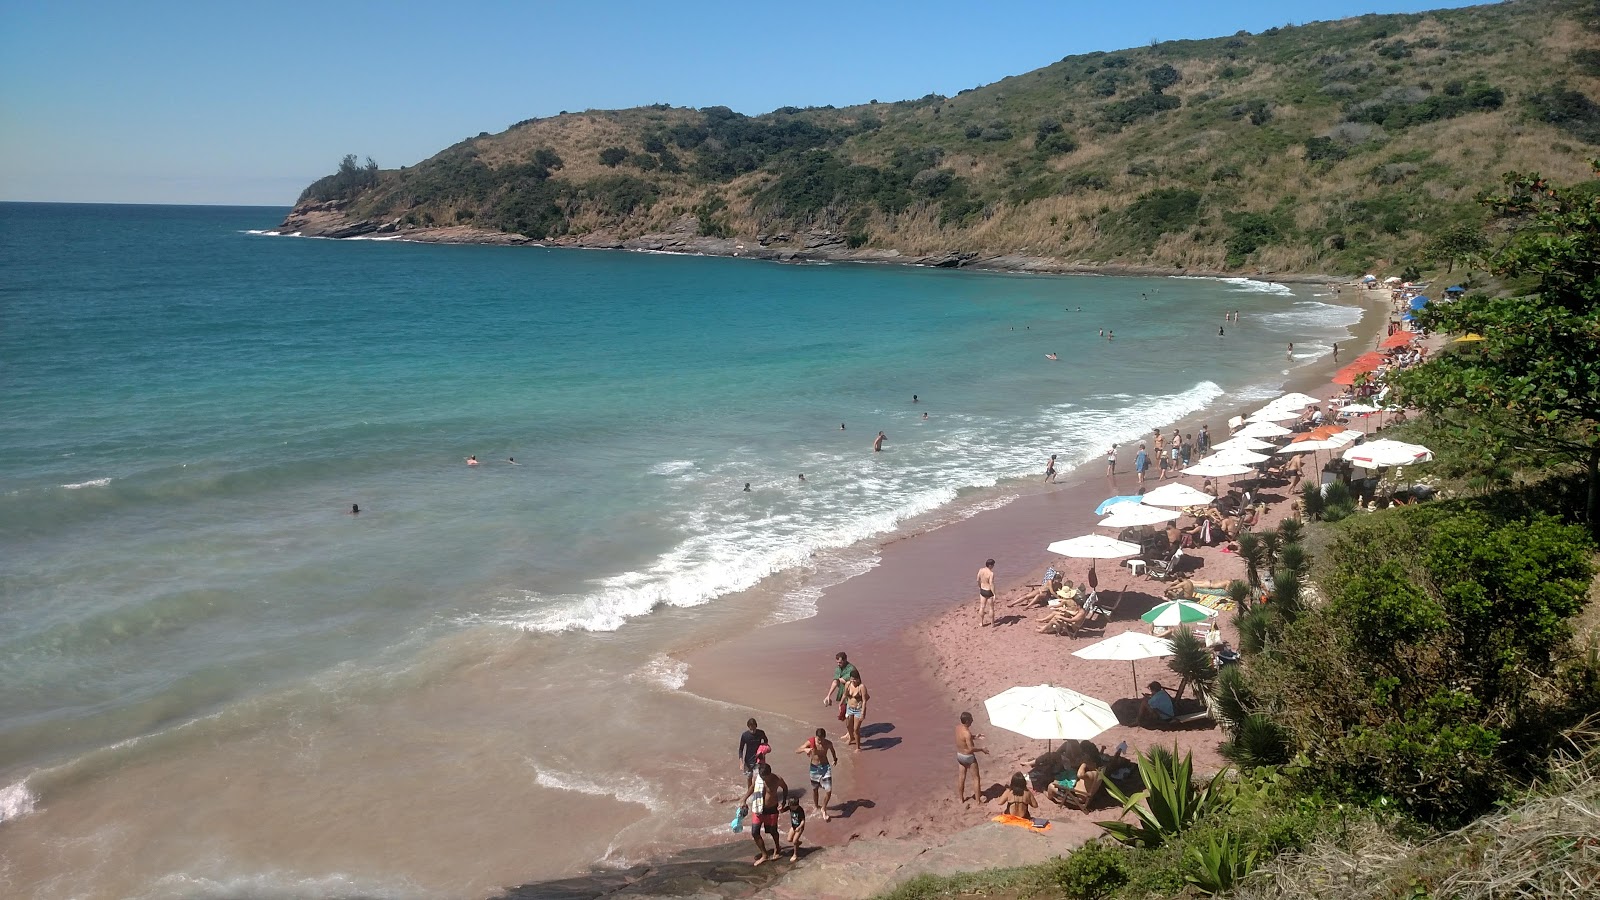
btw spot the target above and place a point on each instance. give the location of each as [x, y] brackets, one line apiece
[1019, 800]
[855, 709]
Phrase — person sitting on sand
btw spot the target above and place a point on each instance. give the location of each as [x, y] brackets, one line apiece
[1019, 800]
[1079, 788]
[1050, 590]
[1157, 707]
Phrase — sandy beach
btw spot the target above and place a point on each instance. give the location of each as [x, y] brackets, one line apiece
[910, 624]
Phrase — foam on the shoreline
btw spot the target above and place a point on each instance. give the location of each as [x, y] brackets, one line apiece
[629, 790]
[16, 801]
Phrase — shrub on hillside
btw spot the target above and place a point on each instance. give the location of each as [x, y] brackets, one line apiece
[1126, 112]
[1159, 212]
[351, 179]
[1571, 111]
[613, 156]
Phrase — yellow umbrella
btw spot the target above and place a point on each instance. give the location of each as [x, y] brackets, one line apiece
[1468, 338]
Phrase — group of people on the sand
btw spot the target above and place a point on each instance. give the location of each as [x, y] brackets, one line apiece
[1068, 777]
[767, 797]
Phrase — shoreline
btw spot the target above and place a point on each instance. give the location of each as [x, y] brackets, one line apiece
[896, 618]
[328, 222]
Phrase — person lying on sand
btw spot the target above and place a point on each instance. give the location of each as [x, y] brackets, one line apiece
[1050, 590]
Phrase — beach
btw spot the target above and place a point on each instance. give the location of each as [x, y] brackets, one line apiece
[224, 682]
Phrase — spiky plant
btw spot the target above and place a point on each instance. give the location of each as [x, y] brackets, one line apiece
[1270, 543]
[1292, 558]
[1232, 698]
[1311, 500]
[1254, 627]
[1286, 587]
[1291, 531]
[1191, 661]
[1257, 741]
[1170, 802]
[1220, 863]
[1253, 554]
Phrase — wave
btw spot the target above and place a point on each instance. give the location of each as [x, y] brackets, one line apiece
[16, 801]
[1249, 285]
[276, 885]
[95, 482]
[1310, 314]
[673, 467]
[626, 790]
[663, 671]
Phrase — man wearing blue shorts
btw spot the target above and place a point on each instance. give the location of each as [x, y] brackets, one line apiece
[819, 750]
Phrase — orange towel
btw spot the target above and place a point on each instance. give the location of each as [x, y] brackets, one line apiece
[1008, 819]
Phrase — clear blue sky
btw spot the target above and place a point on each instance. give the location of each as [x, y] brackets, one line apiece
[143, 101]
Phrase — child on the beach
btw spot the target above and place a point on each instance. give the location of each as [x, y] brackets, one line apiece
[797, 826]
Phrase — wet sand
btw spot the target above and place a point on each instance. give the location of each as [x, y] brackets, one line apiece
[910, 624]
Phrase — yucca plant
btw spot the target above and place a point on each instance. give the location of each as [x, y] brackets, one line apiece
[1220, 863]
[1270, 542]
[1286, 593]
[1257, 741]
[1191, 661]
[1171, 800]
[1232, 698]
[1293, 558]
[1238, 592]
[1253, 554]
[1311, 500]
[1254, 626]
[1290, 531]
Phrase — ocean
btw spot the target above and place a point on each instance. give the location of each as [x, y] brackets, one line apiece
[219, 681]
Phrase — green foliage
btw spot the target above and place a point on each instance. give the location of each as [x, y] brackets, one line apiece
[613, 156]
[1337, 502]
[1220, 863]
[1251, 231]
[1254, 625]
[1191, 661]
[1162, 77]
[1159, 212]
[1405, 112]
[1324, 149]
[1572, 111]
[618, 195]
[1254, 556]
[1257, 741]
[1171, 799]
[351, 179]
[1126, 112]
[1311, 500]
[1092, 871]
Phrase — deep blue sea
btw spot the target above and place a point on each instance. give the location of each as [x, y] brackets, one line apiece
[188, 410]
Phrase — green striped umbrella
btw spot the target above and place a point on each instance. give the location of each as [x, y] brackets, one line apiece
[1178, 612]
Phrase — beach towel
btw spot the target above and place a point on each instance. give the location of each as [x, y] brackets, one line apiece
[1008, 819]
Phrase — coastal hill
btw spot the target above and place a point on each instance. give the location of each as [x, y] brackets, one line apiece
[1331, 146]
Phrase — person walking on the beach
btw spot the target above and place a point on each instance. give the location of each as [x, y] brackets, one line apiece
[1290, 354]
[1111, 462]
[1050, 469]
[967, 751]
[842, 670]
[1161, 463]
[823, 758]
[797, 826]
[767, 792]
[1335, 351]
[1203, 442]
[1141, 462]
[750, 747]
[986, 594]
[1174, 458]
[1188, 449]
[877, 442]
[855, 709]
[1159, 441]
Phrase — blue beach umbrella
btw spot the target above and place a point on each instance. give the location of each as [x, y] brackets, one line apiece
[1101, 509]
[1419, 302]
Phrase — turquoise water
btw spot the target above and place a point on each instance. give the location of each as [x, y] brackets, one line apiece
[190, 409]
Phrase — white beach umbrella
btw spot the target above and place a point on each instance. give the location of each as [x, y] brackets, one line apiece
[1049, 713]
[1359, 408]
[1273, 415]
[1378, 454]
[1244, 443]
[1131, 515]
[1295, 399]
[1310, 446]
[1236, 455]
[1176, 493]
[1262, 430]
[1217, 469]
[1129, 645]
[1094, 546]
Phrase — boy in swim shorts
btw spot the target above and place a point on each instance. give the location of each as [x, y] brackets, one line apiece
[967, 751]
[797, 827]
[819, 750]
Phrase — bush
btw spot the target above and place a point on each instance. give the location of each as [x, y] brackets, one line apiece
[1172, 799]
[1126, 112]
[351, 179]
[1092, 871]
[1571, 111]
[1056, 144]
[1319, 149]
[1159, 212]
[1250, 232]
[613, 156]
[1162, 78]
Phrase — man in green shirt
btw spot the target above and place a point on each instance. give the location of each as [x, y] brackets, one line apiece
[842, 671]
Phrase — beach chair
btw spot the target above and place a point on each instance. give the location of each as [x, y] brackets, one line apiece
[1097, 620]
[1167, 568]
[1092, 782]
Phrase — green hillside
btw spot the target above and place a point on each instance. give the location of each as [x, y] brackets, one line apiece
[1333, 146]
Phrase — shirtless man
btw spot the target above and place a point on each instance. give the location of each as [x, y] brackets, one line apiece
[986, 593]
[1050, 469]
[877, 442]
[819, 750]
[769, 792]
[967, 751]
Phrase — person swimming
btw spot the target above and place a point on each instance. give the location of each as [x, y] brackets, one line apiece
[355, 509]
[747, 487]
[472, 460]
[513, 461]
[1050, 356]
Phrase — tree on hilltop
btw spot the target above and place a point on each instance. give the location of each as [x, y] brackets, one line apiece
[1537, 367]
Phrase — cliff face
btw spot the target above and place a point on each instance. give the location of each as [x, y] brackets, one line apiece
[1331, 146]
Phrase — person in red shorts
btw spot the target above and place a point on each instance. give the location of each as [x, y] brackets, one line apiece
[768, 793]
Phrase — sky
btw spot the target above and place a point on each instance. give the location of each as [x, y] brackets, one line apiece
[247, 103]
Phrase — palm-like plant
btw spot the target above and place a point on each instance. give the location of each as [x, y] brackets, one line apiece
[1270, 542]
[1253, 554]
[1238, 592]
[1293, 558]
[1311, 500]
[1191, 661]
[1254, 626]
[1257, 741]
[1232, 698]
[1221, 863]
[1290, 531]
[1172, 800]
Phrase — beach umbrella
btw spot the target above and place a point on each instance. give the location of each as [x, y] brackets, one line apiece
[1273, 415]
[1369, 277]
[1236, 454]
[1262, 430]
[1366, 362]
[1378, 454]
[1130, 498]
[1360, 408]
[1179, 494]
[1130, 515]
[1129, 645]
[1398, 339]
[1173, 613]
[1207, 468]
[1419, 302]
[1243, 443]
[1049, 713]
[1392, 279]
[1311, 446]
[1094, 546]
[1295, 399]
[1467, 339]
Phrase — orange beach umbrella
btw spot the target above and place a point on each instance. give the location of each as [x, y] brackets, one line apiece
[1398, 339]
[1366, 362]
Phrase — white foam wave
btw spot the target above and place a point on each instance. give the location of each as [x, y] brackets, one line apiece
[673, 467]
[16, 801]
[1251, 285]
[663, 671]
[628, 790]
[95, 482]
[276, 885]
[1310, 314]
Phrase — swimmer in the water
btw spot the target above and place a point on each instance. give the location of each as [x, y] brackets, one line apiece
[355, 509]
[802, 476]
[877, 442]
[1050, 356]
[472, 460]
[841, 426]
[513, 461]
[1221, 331]
[914, 398]
[1111, 335]
[924, 417]
[747, 487]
